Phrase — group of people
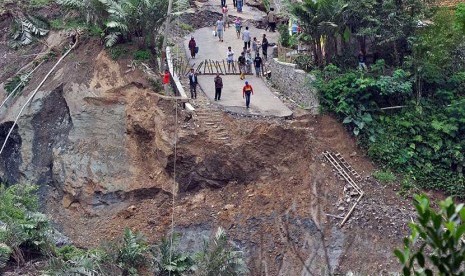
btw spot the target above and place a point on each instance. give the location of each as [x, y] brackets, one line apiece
[247, 90]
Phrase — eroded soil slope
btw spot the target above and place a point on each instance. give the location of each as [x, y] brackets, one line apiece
[102, 146]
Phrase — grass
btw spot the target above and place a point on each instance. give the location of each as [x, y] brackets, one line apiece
[61, 24]
[186, 27]
[39, 3]
[118, 51]
[384, 176]
[141, 55]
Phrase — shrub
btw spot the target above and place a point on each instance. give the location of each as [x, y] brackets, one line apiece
[142, 55]
[25, 228]
[132, 252]
[186, 27]
[435, 245]
[174, 262]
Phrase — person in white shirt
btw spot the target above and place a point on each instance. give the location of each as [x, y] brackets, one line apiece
[229, 58]
[246, 37]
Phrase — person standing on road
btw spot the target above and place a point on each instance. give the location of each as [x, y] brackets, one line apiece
[258, 62]
[230, 58]
[272, 19]
[248, 61]
[265, 47]
[247, 90]
[218, 86]
[192, 46]
[220, 29]
[223, 3]
[255, 46]
[238, 26]
[166, 81]
[239, 5]
[246, 37]
[193, 83]
[241, 61]
[225, 15]
[234, 3]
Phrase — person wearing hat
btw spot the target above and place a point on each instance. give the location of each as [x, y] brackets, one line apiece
[246, 92]
[193, 83]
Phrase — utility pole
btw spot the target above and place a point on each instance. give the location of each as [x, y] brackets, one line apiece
[165, 38]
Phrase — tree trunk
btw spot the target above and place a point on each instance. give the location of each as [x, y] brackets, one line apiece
[319, 52]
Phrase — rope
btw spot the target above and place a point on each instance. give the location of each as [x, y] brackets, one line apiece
[20, 83]
[174, 182]
[34, 93]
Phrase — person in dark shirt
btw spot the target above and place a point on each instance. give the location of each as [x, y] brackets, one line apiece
[258, 62]
[218, 86]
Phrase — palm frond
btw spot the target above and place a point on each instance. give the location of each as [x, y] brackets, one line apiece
[71, 3]
[111, 39]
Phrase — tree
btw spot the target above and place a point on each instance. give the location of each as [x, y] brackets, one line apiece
[92, 10]
[124, 19]
[440, 234]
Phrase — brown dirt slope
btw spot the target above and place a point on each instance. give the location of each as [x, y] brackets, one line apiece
[262, 179]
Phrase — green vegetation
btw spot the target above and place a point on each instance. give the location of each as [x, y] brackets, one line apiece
[435, 245]
[186, 27]
[67, 24]
[118, 52]
[24, 230]
[407, 109]
[17, 82]
[142, 55]
[25, 29]
[123, 20]
[39, 3]
[384, 176]
[219, 258]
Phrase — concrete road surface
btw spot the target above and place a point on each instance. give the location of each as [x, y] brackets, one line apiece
[263, 102]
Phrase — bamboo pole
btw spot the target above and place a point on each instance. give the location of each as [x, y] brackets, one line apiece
[351, 210]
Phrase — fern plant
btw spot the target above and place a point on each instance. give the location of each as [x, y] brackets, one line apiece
[25, 29]
[5, 252]
[175, 263]
[218, 258]
[132, 252]
[17, 81]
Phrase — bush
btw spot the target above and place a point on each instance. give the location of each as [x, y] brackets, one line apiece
[25, 228]
[186, 27]
[435, 245]
[142, 55]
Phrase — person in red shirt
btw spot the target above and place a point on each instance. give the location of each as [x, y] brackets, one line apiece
[166, 81]
[246, 92]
